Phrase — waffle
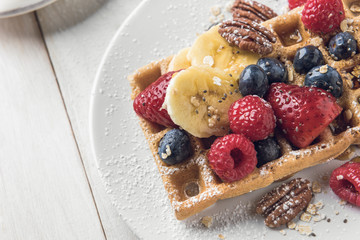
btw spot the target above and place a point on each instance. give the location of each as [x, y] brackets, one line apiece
[192, 185]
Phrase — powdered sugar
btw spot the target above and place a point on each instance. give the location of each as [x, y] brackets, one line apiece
[130, 175]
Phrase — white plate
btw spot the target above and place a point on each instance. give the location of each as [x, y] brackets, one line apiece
[10, 8]
[158, 29]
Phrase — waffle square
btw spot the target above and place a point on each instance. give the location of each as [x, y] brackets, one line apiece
[192, 186]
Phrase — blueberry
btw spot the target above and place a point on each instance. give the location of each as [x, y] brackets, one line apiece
[342, 46]
[267, 151]
[274, 69]
[174, 147]
[306, 58]
[327, 78]
[253, 81]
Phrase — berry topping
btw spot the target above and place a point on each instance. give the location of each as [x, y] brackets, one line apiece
[306, 58]
[232, 157]
[323, 16]
[296, 3]
[302, 112]
[253, 81]
[274, 69]
[345, 182]
[148, 104]
[174, 147]
[327, 78]
[267, 151]
[253, 117]
[342, 46]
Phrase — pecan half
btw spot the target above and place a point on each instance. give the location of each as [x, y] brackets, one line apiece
[252, 10]
[248, 35]
[285, 202]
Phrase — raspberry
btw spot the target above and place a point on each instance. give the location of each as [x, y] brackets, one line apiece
[232, 157]
[323, 16]
[253, 117]
[345, 182]
[148, 104]
[296, 3]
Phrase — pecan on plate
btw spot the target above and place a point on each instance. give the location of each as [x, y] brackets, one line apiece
[247, 35]
[252, 10]
[285, 202]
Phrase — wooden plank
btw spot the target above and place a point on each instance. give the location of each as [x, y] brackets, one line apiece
[77, 34]
[43, 187]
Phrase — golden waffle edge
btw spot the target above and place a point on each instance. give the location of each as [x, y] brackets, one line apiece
[192, 186]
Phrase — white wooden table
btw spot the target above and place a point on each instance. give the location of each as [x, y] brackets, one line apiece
[49, 184]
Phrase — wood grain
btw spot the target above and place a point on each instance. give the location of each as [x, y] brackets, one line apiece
[44, 193]
[77, 34]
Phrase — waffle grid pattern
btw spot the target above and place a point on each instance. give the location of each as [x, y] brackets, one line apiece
[192, 186]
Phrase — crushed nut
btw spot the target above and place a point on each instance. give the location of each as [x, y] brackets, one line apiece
[195, 101]
[291, 72]
[304, 230]
[207, 221]
[168, 150]
[356, 71]
[343, 202]
[345, 27]
[319, 218]
[291, 225]
[319, 205]
[311, 209]
[283, 232]
[211, 122]
[316, 187]
[167, 154]
[355, 7]
[305, 217]
[323, 69]
[215, 10]
[316, 41]
[296, 36]
[221, 236]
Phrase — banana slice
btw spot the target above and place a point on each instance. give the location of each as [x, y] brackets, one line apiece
[198, 99]
[180, 61]
[214, 51]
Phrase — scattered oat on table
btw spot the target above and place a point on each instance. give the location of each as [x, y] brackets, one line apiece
[207, 221]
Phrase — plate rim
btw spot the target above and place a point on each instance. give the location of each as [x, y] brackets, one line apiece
[26, 9]
[96, 83]
[93, 96]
